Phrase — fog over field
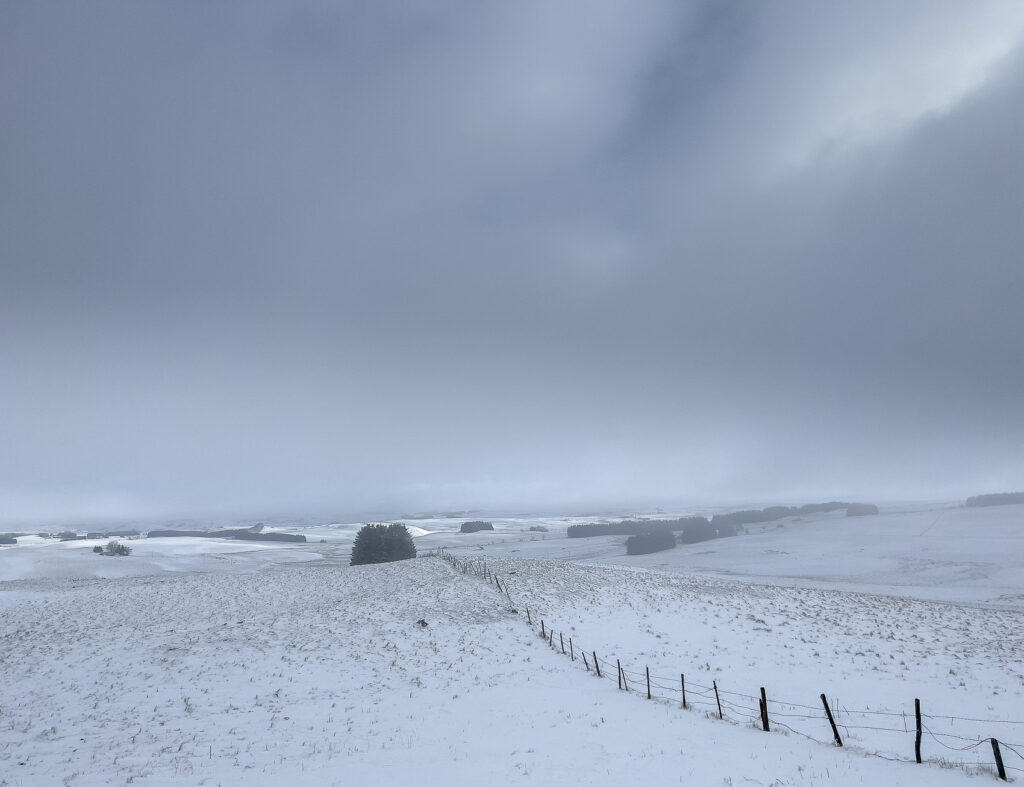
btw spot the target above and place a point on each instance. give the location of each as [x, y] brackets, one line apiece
[286, 259]
[704, 316]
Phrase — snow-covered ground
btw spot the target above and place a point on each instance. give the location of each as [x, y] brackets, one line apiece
[217, 662]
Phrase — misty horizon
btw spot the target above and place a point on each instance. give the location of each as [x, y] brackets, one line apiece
[314, 259]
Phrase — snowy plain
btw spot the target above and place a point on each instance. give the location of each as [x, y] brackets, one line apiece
[197, 661]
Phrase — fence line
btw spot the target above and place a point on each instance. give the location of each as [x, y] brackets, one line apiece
[718, 699]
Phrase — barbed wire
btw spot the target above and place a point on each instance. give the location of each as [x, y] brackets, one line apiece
[696, 694]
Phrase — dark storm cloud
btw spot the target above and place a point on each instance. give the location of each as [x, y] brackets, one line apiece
[324, 257]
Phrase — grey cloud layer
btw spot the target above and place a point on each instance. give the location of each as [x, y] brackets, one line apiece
[318, 257]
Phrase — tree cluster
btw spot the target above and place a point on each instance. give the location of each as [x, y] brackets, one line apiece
[113, 549]
[999, 499]
[382, 544]
[631, 527]
[473, 527]
[772, 513]
[653, 541]
[701, 530]
[861, 509]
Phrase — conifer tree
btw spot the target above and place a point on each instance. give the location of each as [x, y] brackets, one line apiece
[382, 544]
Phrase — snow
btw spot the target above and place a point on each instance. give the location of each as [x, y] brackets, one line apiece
[198, 661]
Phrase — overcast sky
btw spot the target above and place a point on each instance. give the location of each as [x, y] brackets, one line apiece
[326, 257]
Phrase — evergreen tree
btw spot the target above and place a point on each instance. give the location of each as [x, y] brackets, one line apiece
[382, 544]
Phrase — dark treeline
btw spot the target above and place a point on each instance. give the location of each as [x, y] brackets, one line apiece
[240, 535]
[475, 526]
[999, 499]
[653, 541]
[770, 514]
[697, 528]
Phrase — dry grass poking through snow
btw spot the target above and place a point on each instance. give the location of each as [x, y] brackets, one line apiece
[320, 675]
[866, 652]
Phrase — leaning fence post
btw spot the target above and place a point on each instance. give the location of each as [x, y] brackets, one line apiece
[597, 665]
[682, 681]
[572, 654]
[764, 711]
[619, 665]
[585, 664]
[828, 712]
[543, 633]
[561, 642]
[715, 684]
[999, 759]
[648, 670]
[528, 616]
[917, 739]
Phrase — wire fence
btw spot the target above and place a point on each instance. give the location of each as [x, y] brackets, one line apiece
[827, 723]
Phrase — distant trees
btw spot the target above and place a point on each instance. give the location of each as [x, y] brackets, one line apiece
[113, 549]
[653, 541]
[475, 526]
[632, 527]
[698, 530]
[382, 544]
[999, 499]
[861, 509]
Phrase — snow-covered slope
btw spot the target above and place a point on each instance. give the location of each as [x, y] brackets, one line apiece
[264, 665]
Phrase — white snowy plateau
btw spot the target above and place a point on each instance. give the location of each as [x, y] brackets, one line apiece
[212, 662]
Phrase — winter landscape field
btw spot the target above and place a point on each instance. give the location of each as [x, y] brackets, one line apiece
[195, 661]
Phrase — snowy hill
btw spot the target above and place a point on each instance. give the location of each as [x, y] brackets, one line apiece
[266, 664]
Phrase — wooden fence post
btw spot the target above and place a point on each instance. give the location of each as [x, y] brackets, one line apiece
[715, 684]
[999, 759]
[764, 711]
[619, 664]
[828, 712]
[917, 739]
[561, 642]
[597, 664]
[543, 632]
[585, 661]
[528, 616]
[572, 654]
[682, 681]
[648, 670]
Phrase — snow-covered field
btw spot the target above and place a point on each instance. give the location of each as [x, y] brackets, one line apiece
[208, 662]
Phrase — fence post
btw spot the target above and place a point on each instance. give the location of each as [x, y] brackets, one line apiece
[619, 665]
[682, 681]
[528, 616]
[999, 759]
[597, 664]
[572, 654]
[917, 739]
[543, 633]
[648, 670]
[764, 711]
[585, 661]
[828, 712]
[715, 684]
[561, 642]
